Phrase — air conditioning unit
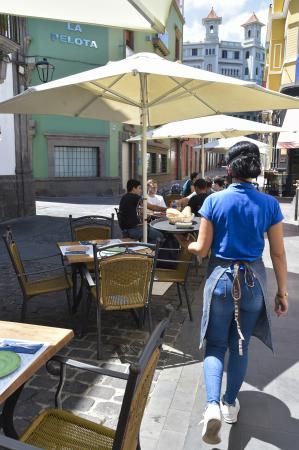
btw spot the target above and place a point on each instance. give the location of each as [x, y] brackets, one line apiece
[3, 69]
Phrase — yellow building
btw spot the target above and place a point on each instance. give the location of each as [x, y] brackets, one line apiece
[282, 71]
[283, 46]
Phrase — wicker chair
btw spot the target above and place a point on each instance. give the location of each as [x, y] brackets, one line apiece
[37, 286]
[57, 428]
[171, 197]
[88, 228]
[123, 281]
[177, 275]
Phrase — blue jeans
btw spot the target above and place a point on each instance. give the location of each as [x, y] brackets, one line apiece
[137, 233]
[222, 334]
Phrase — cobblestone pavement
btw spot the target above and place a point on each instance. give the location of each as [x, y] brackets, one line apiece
[88, 395]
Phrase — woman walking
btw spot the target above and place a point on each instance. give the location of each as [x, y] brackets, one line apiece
[235, 303]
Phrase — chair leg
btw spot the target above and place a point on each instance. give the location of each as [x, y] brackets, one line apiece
[188, 302]
[99, 343]
[180, 295]
[150, 319]
[69, 301]
[24, 308]
[84, 315]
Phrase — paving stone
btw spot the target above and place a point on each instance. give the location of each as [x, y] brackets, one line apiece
[115, 382]
[81, 354]
[101, 392]
[78, 403]
[75, 387]
[107, 409]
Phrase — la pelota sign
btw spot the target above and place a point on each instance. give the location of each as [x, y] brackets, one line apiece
[71, 39]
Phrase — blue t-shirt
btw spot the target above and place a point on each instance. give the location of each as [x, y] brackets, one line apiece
[240, 216]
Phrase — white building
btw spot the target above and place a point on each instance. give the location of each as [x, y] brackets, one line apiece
[244, 60]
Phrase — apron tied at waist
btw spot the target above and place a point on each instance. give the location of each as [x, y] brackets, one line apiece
[237, 294]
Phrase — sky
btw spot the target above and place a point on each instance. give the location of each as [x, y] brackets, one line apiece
[233, 12]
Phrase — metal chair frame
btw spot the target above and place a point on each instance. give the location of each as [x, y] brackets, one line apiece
[178, 275]
[139, 379]
[23, 276]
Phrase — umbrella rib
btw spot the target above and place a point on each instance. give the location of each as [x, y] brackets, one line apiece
[166, 94]
[119, 98]
[160, 99]
[114, 93]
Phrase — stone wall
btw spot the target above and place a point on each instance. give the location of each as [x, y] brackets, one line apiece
[16, 197]
[63, 187]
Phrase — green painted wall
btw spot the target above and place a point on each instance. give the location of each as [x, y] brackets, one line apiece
[49, 39]
[58, 42]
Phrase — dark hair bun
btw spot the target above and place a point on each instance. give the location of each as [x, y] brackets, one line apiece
[244, 160]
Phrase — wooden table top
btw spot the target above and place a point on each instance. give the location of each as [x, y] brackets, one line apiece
[56, 338]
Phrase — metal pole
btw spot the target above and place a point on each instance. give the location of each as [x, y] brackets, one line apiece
[202, 158]
[296, 200]
[143, 120]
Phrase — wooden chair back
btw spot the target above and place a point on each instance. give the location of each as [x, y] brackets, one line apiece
[171, 197]
[137, 391]
[124, 281]
[16, 259]
[88, 228]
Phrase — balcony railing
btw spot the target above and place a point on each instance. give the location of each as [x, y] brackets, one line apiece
[10, 27]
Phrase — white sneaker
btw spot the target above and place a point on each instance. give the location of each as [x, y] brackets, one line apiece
[211, 425]
[230, 412]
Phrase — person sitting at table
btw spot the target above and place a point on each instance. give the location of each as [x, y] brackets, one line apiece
[155, 202]
[128, 217]
[209, 185]
[187, 188]
[196, 201]
[218, 184]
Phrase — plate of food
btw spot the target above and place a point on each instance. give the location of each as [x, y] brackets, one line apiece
[173, 215]
[9, 362]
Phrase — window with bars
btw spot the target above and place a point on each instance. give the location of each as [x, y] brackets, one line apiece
[76, 161]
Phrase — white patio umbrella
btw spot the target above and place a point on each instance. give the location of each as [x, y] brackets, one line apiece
[219, 126]
[222, 145]
[289, 139]
[145, 89]
[132, 14]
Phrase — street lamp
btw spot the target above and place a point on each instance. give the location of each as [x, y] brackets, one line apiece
[45, 70]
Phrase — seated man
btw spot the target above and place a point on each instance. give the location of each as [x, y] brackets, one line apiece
[128, 218]
[218, 184]
[197, 200]
[155, 202]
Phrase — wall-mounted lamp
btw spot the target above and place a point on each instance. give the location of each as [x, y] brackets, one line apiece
[45, 70]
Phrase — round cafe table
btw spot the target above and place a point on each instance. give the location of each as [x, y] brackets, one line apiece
[166, 227]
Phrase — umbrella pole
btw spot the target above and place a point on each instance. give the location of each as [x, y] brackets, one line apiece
[202, 158]
[143, 120]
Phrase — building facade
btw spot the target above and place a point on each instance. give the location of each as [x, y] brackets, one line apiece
[244, 60]
[16, 184]
[58, 156]
[74, 156]
[282, 74]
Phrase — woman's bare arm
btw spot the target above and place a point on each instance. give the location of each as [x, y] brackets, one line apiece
[278, 257]
[204, 241]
